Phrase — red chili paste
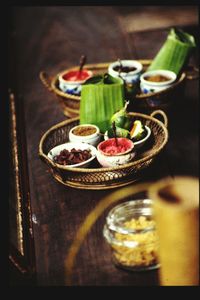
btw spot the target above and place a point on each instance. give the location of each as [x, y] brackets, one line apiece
[76, 75]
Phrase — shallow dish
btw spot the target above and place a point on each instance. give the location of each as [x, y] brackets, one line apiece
[68, 146]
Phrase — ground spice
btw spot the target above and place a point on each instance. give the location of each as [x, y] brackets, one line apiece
[157, 78]
[84, 130]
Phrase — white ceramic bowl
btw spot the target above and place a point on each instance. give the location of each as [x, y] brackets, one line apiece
[130, 77]
[147, 86]
[77, 145]
[113, 161]
[137, 144]
[92, 139]
[70, 86]
[107, 160]
[141, 142]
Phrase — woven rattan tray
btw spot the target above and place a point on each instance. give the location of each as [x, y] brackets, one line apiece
[97, 177]
[146, 103]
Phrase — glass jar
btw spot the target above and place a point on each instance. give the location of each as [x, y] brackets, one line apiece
[131, 233]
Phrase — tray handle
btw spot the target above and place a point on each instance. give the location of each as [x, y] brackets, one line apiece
[162, 113]
[51, 164]
[192, 72]
[46, 80]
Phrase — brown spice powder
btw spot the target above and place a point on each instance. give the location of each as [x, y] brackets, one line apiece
[157, 78]
[84, 130]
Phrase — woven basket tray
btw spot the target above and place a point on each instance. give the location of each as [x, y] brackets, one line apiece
[145, 103]
[97, 177]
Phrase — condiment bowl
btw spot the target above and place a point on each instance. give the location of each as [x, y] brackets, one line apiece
[108, 156]
[79, 134]
[71, 81]
[137, 144]
[130, 77]
[152, 86]
[141, 142]
[69, 146]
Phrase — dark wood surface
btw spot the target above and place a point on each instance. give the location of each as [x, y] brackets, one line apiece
[53, 39]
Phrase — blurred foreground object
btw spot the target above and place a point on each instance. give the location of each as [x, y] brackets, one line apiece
[176, 205]
[177, 221]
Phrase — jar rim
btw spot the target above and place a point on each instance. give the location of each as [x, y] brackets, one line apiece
[136, 206]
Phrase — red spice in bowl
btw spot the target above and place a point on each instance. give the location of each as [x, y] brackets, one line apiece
[111, 148]
[77, 76]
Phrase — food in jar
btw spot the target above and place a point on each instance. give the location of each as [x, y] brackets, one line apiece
[72, 157]
[145, 251]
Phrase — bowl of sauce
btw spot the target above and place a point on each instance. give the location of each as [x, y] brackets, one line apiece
[115, 152]
[85, 133]
[70, 81]
[156, 80]
[129, 70]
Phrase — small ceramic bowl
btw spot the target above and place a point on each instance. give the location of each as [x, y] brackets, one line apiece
[108, 159]
[79, 134]
[130, 77]
[71, 81]
[141, 142]
[69, 146]
[137, 144]
[152, 86]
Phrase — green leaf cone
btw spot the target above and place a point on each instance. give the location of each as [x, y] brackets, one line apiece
[174, 53]
[101, 97]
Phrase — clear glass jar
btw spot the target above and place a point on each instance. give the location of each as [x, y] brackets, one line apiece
[131, 233]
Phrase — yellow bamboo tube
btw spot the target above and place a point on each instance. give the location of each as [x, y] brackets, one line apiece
[176, 207]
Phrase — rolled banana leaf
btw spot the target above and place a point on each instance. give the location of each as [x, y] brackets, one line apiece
[175, 52]
[101, 97]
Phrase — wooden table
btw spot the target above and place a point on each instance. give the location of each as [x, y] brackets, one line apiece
[53, 39]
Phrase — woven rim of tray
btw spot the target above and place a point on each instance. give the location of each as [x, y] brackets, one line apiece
[101, 169]
[105, 66]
